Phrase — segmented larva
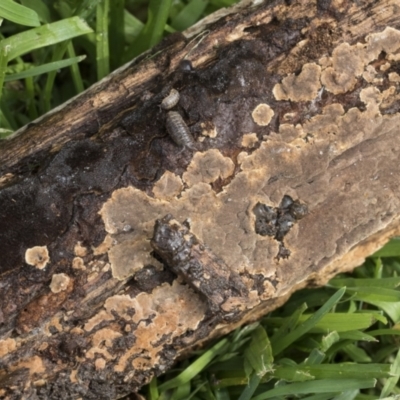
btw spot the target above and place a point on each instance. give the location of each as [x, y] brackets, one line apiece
[171, 100]
[179, 131]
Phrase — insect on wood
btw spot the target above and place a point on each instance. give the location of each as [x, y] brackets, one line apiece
[179, 131]
[171, 100]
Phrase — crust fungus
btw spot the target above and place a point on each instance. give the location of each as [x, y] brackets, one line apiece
[303, 87]
[59, 282]
[262, 114]
[207, 167]
[7, 346]
[37, 256]
[249, 140]
[168, 186]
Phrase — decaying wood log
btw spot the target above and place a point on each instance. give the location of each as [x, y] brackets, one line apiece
[121, 248]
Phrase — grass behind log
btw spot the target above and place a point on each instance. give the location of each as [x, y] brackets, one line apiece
[337, 342]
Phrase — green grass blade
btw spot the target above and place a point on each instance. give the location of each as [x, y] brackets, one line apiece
[86, 9]
[116, 33]
[196, 367]
[289, 324]
[332, 371]
[283, 342]
[19, 14]
[153, 389]
[74, 68]
[386, 283]
[259, 353]
[40, 8]
[375, 294]
[391, 249]
[45, 35]
[189, 15]
[319, 386]
[250, 388]
[348, 395]
[152, 32]
[44, 68]
[132, 27]
[392, 382]
[102, 50]
[57, 55]
[3, 66]
[31, 103]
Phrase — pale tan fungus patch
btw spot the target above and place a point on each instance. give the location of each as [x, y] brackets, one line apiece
[54, 323]
[43, 346]
[73, 377]
[77, 263]
[129, 257]
[168, 186]
[348, 62]
[346, 66]
[100, 363]
[207, 167]
[175, 309]
[37, 256]
[7, 346]
[39, 382]
[249, 140]
[103, 247]
[370, 74]
[303, 87]
[33, 364]
[79, 250]
[262, 114]
[394, 77]
[101, 341]
[209, 132]
[385, 67]
[290, 132]
[392, 57]
[59, 282]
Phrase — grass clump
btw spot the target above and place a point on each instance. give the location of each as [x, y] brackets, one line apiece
[51, 50]
[336, 342]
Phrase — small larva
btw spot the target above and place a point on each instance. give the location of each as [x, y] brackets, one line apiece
[171, 100]
[179, 131]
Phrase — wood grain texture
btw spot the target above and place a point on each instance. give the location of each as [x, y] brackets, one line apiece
[286, 99]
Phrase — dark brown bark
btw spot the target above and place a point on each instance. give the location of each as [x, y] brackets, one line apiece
[292, 178]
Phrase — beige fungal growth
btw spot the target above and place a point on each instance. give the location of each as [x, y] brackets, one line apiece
[59, 282]
[303, 87]
[394, 77]
[168, 312]
[249, 140]
[346, 66]
[207, 167]
[37, 256]
[209, 132]
[262, 114]
[348, 62]
[7, 346]
[168, 186]
[79, 250]
[103, 247]
[77, 263]
[129, 257]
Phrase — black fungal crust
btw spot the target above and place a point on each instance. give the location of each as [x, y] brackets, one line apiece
[197, 265]
[277, 222]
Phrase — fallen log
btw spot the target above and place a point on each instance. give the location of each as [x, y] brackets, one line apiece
[124, 244]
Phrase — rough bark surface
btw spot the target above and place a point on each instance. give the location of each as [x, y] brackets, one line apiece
[121, 249]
